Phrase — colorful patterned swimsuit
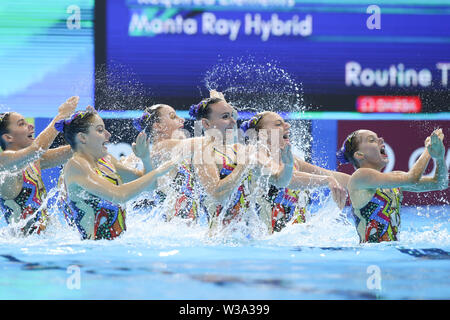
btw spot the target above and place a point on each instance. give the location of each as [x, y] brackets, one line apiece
[285, 207]
[239, 202]
[106, 219]
[186, 205]
[187, 202]
[27, 203]
[379, 220]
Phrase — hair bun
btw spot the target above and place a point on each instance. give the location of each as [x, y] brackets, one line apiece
[340, 156]
[245, 125]
[137, 124]
[193, 111]
[59, 125]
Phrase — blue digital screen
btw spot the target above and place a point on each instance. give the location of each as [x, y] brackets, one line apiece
[329, 47]
[46, 55]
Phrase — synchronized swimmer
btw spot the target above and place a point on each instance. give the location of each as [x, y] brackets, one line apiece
[211, 176]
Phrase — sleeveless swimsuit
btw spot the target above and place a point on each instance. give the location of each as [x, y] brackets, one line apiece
[186, 206]
[106, 219]
[240, 201]
[27, 203]
[286, 207]
[379, 220]
[185, 201]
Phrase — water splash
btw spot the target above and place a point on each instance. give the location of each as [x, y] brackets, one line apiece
[256, 86]
[119, 88]
[250, 85]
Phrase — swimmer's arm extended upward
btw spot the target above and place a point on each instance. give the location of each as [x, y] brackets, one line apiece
[11, 160]
[141, 150]
[439, 181]
[56, 157]
[280, 174]
[220, 189]
[366, 178]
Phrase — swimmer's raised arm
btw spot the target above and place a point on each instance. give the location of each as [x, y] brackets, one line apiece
[220, 189]
[216, 94]
[79, 172]
[13, 160]
[280, 174]
[140, 150]
[367, 178]
[166, 149]
[56, 157]
[208, 175]
[439, 181]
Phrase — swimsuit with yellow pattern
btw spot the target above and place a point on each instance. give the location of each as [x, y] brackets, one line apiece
[186, 205]
[106, 219]
[379, 220]
[240, 201]
[287, 206]
[25, 206]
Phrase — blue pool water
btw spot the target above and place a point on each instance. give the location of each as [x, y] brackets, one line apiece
[321, 259]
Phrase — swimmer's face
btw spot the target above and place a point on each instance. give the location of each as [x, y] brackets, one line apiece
[371, 150]
[169, 124]
[96, 140]
[20, 133]
[222, 117]
[276, 128]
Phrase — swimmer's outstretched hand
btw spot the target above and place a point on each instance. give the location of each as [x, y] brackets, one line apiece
[338, 192]
[68, 107]
[141, 146]
[435, 145]
[253, 156]
[286, 155]
[216, 94]
[90, 109]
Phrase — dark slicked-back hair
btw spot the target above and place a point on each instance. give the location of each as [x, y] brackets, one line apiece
[4, 122]
[77, 125]
[347, 153]
[203, 109]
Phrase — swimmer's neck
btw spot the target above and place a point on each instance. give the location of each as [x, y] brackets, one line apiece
[13, 147]
[90, 159]
[159, 137]
[213, 139]
[372, 166]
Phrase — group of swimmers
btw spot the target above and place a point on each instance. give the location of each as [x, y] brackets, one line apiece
[209, 176]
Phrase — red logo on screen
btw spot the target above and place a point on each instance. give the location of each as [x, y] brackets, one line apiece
[398, 104]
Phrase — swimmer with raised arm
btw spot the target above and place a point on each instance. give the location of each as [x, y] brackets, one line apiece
[93, 179]
[376, 196]
[164, 127]
[288, 205]
[22, 190]
[225, 179]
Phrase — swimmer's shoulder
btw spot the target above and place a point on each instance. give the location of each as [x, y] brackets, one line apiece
[76, 166]
[359, 197]
[168, 144]
[362, 175]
